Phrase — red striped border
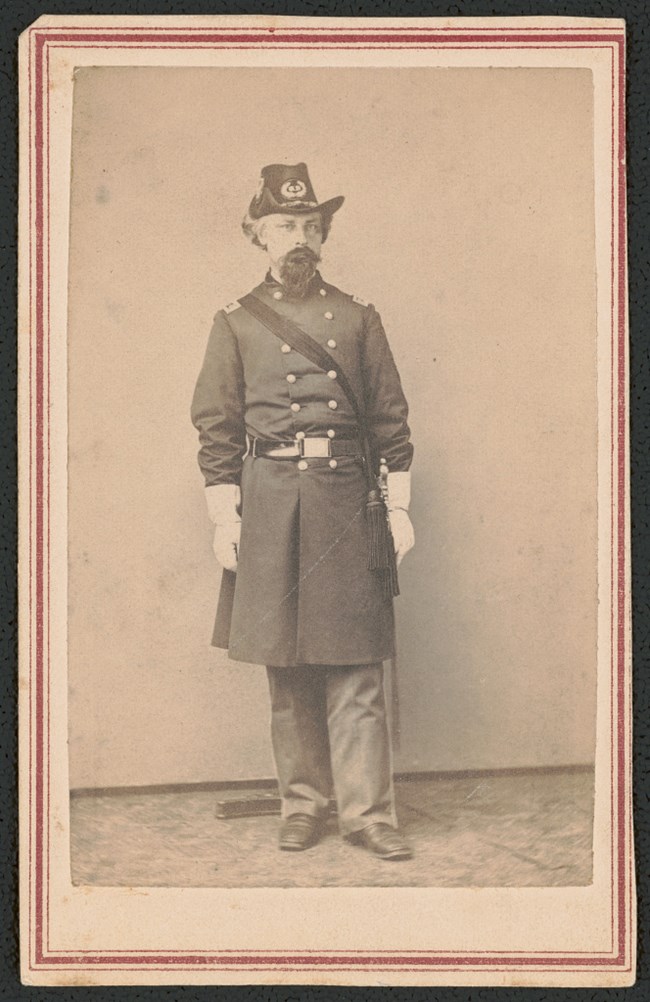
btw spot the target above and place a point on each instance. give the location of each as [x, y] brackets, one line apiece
[41, 40]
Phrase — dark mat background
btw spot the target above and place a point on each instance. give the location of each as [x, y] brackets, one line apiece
[18, 15]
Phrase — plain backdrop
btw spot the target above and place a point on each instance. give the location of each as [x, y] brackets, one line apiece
[469, 223]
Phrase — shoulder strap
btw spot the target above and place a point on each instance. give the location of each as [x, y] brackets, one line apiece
[302, 342]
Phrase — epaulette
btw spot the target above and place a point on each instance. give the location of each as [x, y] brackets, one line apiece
[231, 307]
[360, 301]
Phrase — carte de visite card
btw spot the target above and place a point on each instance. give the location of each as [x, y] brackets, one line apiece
[438, 207]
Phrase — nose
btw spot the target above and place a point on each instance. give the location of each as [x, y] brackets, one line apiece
[301, 238]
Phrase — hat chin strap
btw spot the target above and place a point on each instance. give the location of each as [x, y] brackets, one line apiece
[297, 205]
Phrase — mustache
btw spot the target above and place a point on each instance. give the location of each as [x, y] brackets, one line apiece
[299, 254]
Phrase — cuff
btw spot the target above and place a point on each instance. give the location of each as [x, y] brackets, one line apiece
[399, 490]
[222, 501]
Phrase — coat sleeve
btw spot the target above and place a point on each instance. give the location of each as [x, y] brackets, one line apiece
[386, 406]
[218, 407]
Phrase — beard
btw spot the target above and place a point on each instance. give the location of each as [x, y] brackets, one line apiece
[297, 269]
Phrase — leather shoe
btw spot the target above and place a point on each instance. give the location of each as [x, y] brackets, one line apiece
[300, 831]
[383, 840]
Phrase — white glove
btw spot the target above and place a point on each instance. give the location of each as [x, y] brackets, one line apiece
[403, 535]
[223, 501]
[226, 545]
[399, 498]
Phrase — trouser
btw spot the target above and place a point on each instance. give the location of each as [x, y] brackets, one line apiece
[330, 734]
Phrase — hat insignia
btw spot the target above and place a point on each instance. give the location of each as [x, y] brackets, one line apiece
[293, 189]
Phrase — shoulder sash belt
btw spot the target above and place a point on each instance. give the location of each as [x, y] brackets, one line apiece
[381, 556]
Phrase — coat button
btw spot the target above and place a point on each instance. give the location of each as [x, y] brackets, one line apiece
[332, 404]
[300, 435]
[331, 343]
[329, 316]
[291, 378]
[286, 348]
[295, 408]
[333, 464]
[277, 295]
[332, 374]
[331, 433]
[323, 292]
[303, 464]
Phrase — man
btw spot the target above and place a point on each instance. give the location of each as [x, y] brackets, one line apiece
[287, 446]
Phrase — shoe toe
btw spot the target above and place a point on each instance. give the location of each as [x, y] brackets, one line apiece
[299, 831]
[384, 841]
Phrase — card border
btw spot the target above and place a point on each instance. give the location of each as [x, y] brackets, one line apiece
[38, 42]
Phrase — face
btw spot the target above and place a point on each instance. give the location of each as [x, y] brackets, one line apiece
[282, 233]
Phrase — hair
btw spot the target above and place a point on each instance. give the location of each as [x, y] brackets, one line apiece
[251, 228]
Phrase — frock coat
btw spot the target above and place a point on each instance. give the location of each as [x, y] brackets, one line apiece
[302, 593]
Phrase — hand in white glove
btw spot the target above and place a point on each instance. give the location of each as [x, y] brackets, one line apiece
[226, 545]
[223, 508]
[403, 535]
[399, 498]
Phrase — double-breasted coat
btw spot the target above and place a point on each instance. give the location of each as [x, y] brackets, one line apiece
[302, 593]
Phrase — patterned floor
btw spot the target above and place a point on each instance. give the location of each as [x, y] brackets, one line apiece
[523, 830]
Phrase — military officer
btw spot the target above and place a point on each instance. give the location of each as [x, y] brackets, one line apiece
[286, 488]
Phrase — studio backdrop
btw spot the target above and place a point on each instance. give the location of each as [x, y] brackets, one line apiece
[469, 223]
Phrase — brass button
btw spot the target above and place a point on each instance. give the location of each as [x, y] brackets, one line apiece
[300, 435]
[331, 433]
[303, 464]
[291, 378]
[277, 295]
[332, 374]
[295, 408]
[286, 348]
[329, 316]
[323, 292]
[333, 464]
[331, 343]
[332, 404]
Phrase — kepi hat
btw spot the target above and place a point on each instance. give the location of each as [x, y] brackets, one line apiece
[287, 189]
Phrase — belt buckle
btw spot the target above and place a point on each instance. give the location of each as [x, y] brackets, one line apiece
[315, 448]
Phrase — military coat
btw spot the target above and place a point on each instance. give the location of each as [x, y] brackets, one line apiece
[302, 593]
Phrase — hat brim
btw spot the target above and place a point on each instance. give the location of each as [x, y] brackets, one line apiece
[331, 206]
[327, 208]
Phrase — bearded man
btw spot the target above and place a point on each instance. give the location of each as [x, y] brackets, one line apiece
[305, 449]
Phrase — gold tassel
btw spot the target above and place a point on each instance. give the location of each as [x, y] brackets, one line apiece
[381, 548]
[391, 581]
[377, 531]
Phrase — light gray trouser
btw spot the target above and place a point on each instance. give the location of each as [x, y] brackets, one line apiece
[329, 733]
